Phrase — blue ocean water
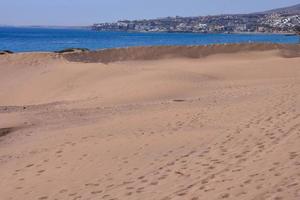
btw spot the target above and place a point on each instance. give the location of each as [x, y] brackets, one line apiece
[49, 39]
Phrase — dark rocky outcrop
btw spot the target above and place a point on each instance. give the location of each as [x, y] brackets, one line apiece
[73, 50]
[6, 52]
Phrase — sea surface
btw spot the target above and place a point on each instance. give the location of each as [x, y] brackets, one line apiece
[50, 39]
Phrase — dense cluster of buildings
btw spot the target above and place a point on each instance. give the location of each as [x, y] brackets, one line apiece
[264, 23]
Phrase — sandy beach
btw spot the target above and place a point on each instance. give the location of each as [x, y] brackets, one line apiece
[151, 123]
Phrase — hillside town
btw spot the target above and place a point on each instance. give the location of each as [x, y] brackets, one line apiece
[259, 23]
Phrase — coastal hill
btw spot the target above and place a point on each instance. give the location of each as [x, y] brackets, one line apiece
[283, 20]
[291, 10]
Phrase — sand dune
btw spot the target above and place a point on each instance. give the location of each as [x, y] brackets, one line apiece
[161, 123]
[160, 52]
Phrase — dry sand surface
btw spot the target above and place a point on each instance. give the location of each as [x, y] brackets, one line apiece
[185, 123]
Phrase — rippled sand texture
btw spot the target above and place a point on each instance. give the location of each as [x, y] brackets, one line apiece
[215, 125]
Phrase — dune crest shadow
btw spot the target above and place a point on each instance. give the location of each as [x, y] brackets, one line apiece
[6, 131]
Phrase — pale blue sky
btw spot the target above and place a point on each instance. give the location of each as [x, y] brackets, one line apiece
[86, 12]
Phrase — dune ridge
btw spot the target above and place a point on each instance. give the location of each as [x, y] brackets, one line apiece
[159, 52]
[154, 52]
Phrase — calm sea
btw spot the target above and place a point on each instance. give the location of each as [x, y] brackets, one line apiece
[46, 39]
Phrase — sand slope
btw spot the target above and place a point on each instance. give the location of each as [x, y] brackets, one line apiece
[219, 124]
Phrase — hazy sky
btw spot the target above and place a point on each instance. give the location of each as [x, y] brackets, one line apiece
[86, 12]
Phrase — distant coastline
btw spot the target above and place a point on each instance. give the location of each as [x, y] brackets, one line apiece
[278, 21]
[107, 31]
